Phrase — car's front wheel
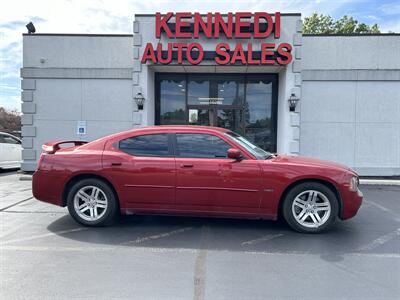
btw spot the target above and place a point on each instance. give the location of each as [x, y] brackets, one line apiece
[92, 202]
[310, 207]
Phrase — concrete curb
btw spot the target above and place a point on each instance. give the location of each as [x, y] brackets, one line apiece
[25, 178]
[392, 182]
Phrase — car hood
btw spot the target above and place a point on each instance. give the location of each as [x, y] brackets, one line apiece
[307, 161]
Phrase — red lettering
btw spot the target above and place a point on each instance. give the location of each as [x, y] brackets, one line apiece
[226, 26]
[265, 53]
[162, 24]
[179, 24]
[148, 54]
[160, 58]
[238, 54]
[189, 53]
[277, 29]
[250, 59]
[199, 22]
[221, 52]
[267, 17]
[284, 50]
[239, 24]
[180, 47]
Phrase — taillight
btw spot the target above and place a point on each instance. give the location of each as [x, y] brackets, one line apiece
[41, 161]
[49, 149]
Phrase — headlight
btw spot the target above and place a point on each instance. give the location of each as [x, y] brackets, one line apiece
[354, 182]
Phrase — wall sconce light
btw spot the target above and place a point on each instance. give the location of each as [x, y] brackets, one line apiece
[293, 102]
[139, 99]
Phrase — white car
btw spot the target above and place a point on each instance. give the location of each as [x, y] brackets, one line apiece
[10, 151]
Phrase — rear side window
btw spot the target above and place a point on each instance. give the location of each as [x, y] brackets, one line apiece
[201, 146]
[146, 145]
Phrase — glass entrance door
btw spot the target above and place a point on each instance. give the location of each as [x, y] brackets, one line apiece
[243, 103]
[213, 116]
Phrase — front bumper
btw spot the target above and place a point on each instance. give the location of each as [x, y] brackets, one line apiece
[351, 202]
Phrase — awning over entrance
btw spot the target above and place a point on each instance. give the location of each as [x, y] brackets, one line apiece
[204, 68]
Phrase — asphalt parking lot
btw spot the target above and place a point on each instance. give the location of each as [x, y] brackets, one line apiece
[46, 255]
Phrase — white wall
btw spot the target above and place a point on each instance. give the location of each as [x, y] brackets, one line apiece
[74, 78]
[350, 110]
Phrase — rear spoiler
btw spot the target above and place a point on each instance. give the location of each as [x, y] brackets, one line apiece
[53, 147]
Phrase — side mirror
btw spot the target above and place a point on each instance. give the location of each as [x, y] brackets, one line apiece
[234, 154]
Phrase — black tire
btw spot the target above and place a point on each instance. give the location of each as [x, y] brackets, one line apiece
[110, 212]
[288, 213]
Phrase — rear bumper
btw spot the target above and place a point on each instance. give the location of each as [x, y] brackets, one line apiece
[48, 187]
[351, 203]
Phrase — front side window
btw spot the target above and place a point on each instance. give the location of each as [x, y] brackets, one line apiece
[201, 146]
[146, 145]
[249, 146]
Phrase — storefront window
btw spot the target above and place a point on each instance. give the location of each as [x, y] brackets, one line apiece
[246, 104]
[258, 116]
[230, 90]
[172, 102]
[198, 90]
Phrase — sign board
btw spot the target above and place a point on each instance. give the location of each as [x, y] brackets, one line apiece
[240, 25]
[81, 127]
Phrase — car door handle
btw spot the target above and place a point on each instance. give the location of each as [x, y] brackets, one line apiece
[116, 164]
[186, 166]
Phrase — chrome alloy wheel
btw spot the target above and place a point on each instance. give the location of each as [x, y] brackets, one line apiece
[90, 203]
[311, 208]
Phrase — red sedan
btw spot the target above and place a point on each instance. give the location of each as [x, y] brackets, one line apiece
[192, 170]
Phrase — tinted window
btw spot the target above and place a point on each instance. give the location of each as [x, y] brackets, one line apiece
[146, 145]
[201, 146]
[172, 99]
[6, 139]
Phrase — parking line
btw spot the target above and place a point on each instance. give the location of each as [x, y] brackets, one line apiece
[156, 236]
[19, 202]
[380, 241]
[395, 216]
[44, 235]
[261, 239]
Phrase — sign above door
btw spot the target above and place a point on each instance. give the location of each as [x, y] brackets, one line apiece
[240, 25]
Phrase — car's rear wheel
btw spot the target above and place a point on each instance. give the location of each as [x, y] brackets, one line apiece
[310, 207]
[92, 202]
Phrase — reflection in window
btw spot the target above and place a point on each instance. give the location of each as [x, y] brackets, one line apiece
[198, 90]
[230, 90]
[258, 113]
[146, 145]
[172, 100]
[201, 146]
[230, 119]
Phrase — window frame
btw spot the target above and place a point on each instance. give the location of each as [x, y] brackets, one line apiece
[169, 145]
[176, 149]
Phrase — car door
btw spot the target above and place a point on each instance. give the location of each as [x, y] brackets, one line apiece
[209, 181]
[10, 151]
[143, 168]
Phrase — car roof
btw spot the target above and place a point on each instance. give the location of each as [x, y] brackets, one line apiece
[168, 128]
[156, 129]
[186, 127]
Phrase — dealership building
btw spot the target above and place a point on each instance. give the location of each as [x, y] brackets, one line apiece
[334, 97]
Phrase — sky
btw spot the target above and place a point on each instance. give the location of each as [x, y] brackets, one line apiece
[116, 16]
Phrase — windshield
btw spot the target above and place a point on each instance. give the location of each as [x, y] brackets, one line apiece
[249, 146]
